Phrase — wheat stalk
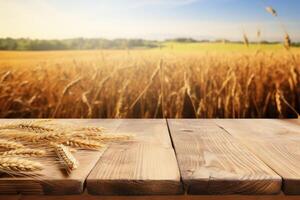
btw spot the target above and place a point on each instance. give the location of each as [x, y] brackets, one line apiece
[70, 85]
[14, 164]
[66, 157]
[162, 92]
[87, 103]
[246, 40]
[278, 101]
[287, 41]
[5, 76]
[150, 82]
[66, 91]
[119, 108]
[288, 104]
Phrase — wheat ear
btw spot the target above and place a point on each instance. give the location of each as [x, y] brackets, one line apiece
[86, 135]
[6, 144]
[84, 144]
[91, 129]
[272, 11]
[48, 137]
[287, 41]
[66, 157]
[246, 40]
[27, 127]
[13, 164]
[108, 138]
[25, 152]
[35, 128]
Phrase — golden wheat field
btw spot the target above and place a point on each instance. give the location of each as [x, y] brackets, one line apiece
[150, 84]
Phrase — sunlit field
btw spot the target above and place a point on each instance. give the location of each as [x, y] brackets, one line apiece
[220, 47]
[175, 80]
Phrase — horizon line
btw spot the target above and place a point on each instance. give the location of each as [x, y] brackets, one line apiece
[192, 39]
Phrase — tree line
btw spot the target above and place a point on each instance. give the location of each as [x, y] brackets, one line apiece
[74, 44]
[24, 44]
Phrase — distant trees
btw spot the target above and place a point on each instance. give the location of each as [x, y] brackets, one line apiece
[183, 40]
[86, 44]
[74, 44]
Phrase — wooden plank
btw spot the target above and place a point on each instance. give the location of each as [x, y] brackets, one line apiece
[213, 162]
[145, 165]
[276, 142]
[54, 180]
[165, 197]
[293, 121]
[10, 197]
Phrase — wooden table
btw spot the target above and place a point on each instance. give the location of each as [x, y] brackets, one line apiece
[178, 159]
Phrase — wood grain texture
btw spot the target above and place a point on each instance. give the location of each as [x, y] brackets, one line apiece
[145, 165]
[54, 180]
[213, 162]
[276, 142]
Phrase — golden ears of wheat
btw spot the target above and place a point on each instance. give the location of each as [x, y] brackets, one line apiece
[272, 11]
[24, 140]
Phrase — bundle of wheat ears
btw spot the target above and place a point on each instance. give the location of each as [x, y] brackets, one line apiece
[22, 142]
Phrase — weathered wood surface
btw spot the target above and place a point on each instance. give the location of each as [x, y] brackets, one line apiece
[211, 161]
[276, 142]
[144, 165]
[215, 157]
[164, 197]
[54, 180]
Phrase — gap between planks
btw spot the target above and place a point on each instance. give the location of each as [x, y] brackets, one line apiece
[52, 179]
[211, 161]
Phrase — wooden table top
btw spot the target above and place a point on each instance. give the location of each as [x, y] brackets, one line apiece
[176, 157]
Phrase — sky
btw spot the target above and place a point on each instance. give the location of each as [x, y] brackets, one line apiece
[148, 19]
